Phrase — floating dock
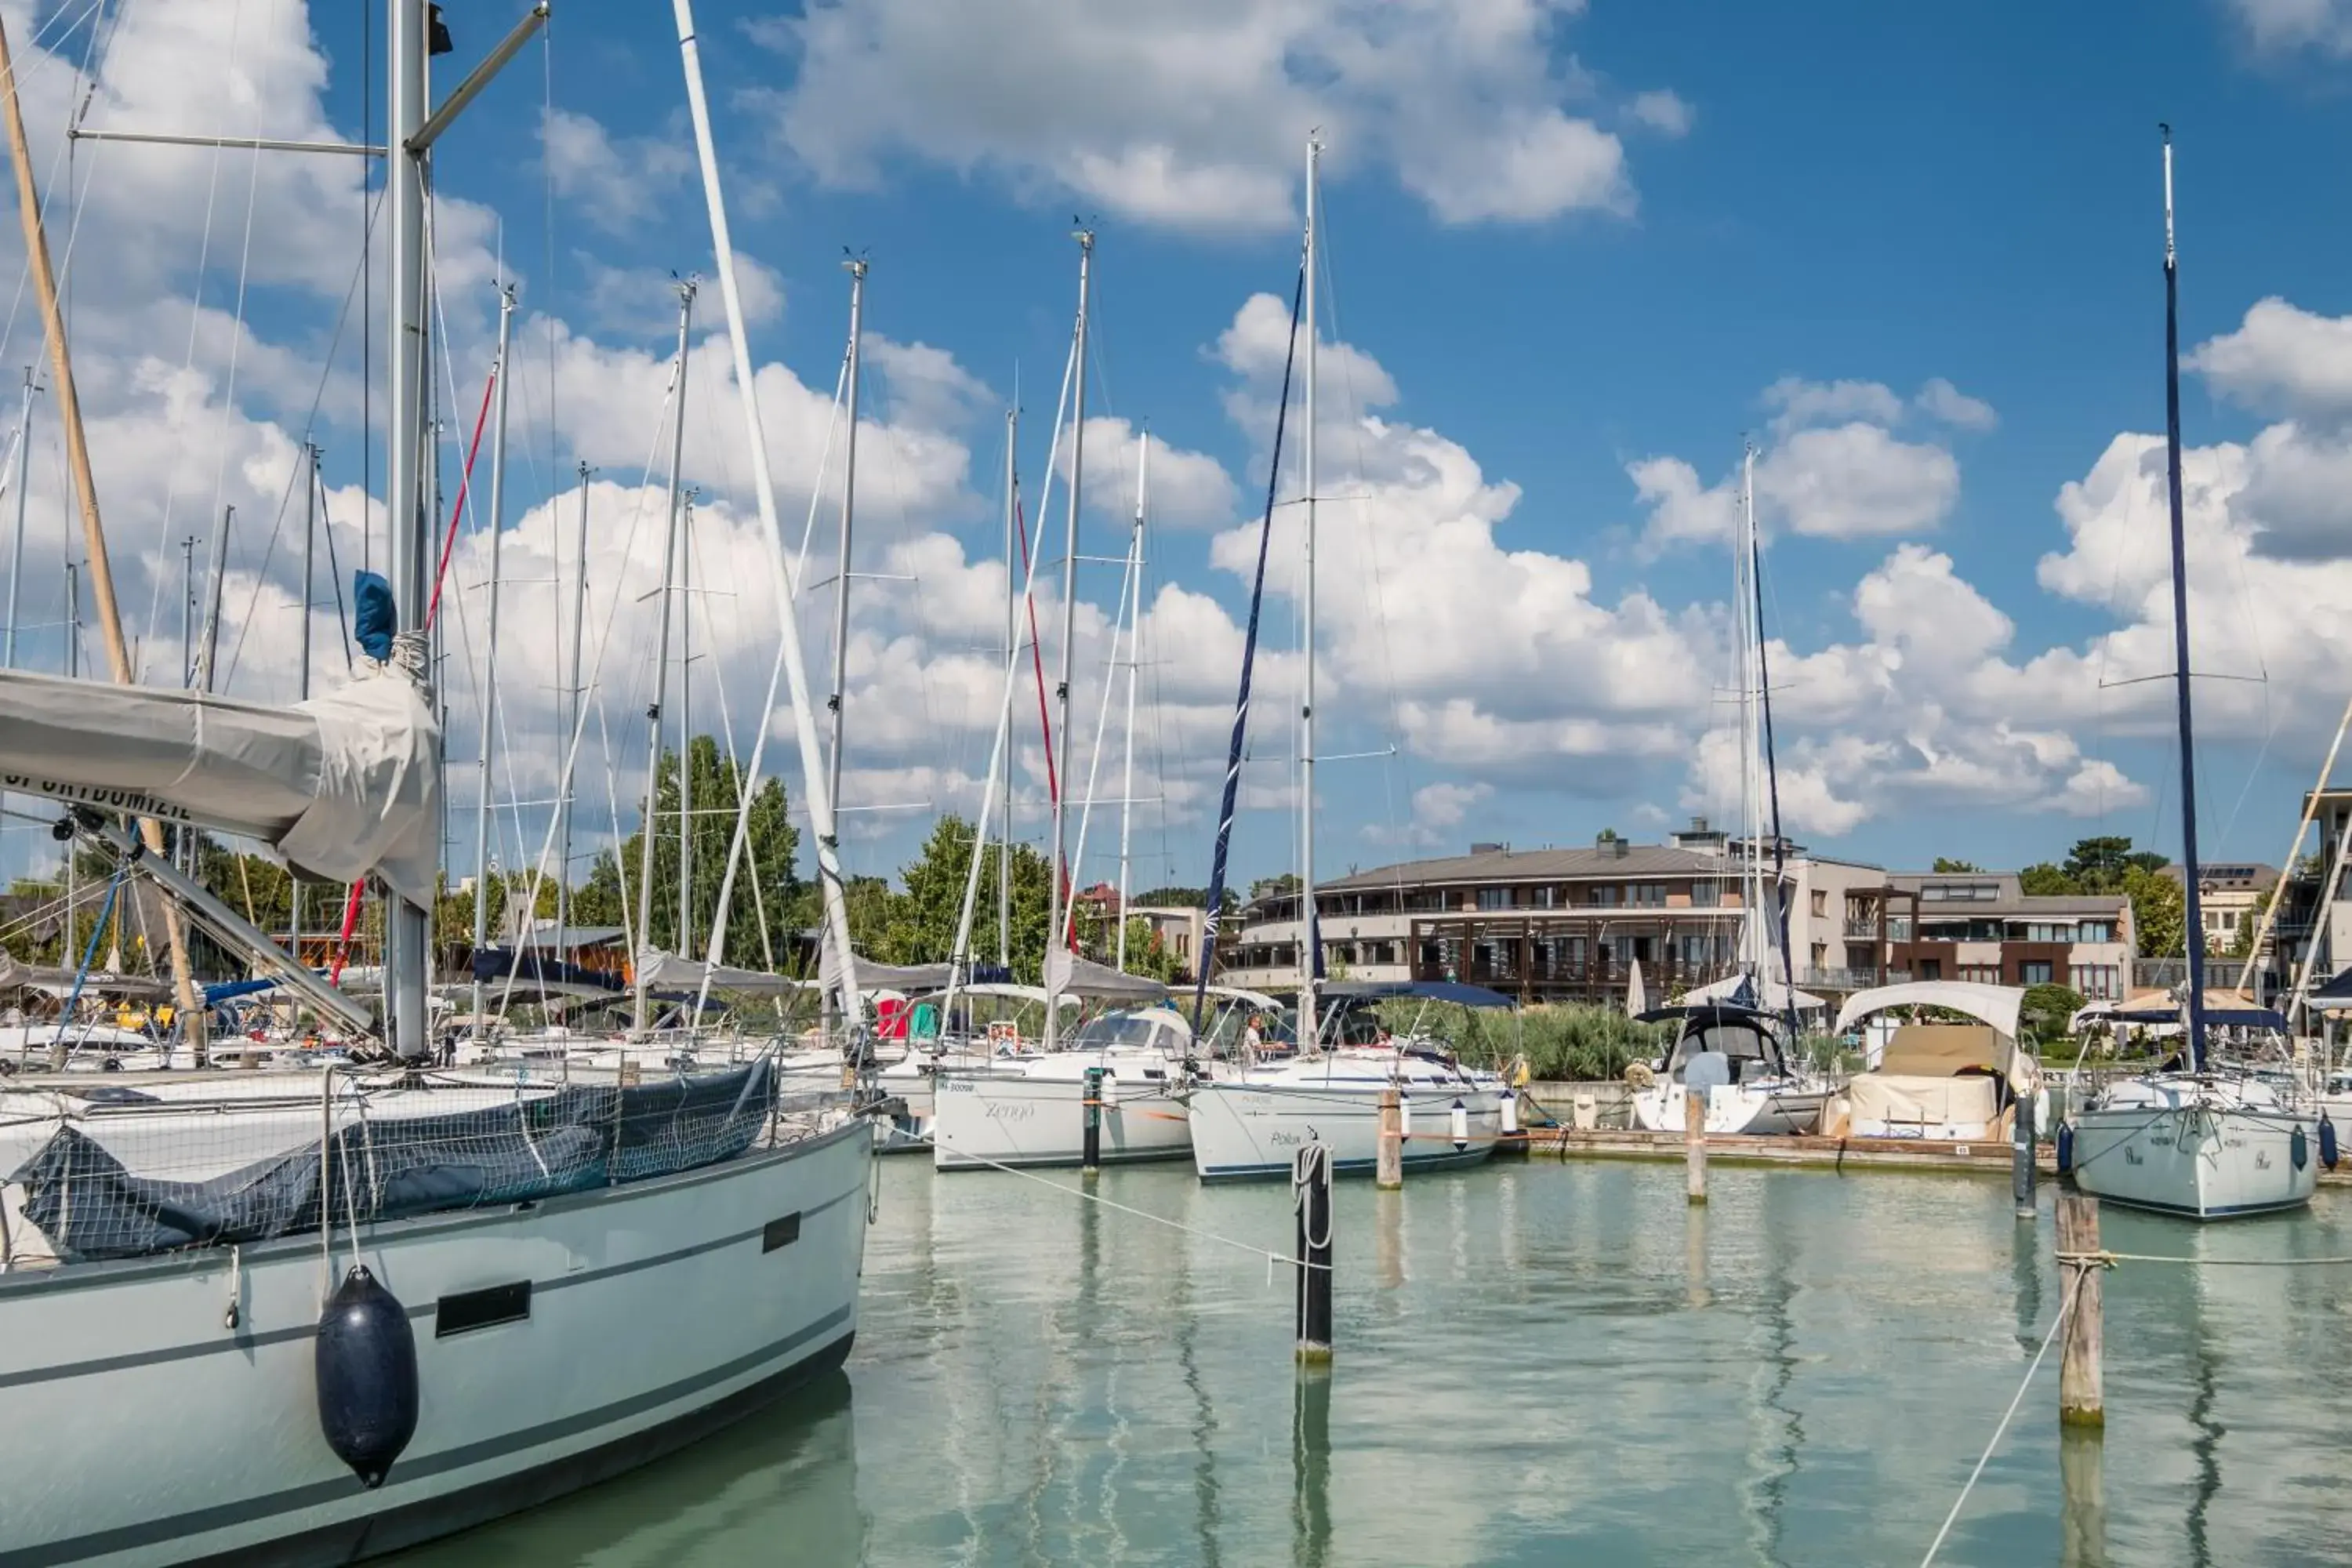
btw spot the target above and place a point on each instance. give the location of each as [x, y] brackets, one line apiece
[1803, 1150]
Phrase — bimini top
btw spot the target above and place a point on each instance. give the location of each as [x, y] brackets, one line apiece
[1998, 1006]
[1427, 990]
[2215, 1017]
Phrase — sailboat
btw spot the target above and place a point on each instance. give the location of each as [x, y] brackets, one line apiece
[2213, 1140]
[1251, 1122]
[291, 1352]
[1732, 1039]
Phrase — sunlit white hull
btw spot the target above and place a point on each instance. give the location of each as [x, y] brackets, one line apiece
[1731, 1108]
[1002, 1118]
[175, 1403]
[2206, 1150]
[1255, 1129]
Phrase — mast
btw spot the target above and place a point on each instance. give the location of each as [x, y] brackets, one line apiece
[1134, 608]
[685, 723]
[652, 829]
[216, 576]
[1771, 764]
[2188, 864]
[309, 589]
[408, 549]
[1000, 777]
[16, 544]
[857, 265]
[93, 530]
[850, 378]
[489, 659]
[1753, 941]
[1055, 918]
[1310, 935]
[820, 798]
[570, 710]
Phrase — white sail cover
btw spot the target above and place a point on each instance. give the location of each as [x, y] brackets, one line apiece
[343, 785]
[909, 978]
[668, 972]
[1071, 975]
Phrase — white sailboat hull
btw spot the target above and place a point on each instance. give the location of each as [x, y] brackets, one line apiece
[656, 1311]
[1732, 1108]
[1255, 1129]
[2199, 1156]
[983, 1119]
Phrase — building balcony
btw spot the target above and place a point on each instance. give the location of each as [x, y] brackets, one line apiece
[1861, 930]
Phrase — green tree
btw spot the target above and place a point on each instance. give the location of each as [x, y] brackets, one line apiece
[2042, 879]
[1944, 863]
[2046, 1010]
[1175, 898]
[2100, 865]
[2156, 911]
[767, 882]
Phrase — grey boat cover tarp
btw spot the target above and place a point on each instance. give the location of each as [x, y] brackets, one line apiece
[1068, 974]
[667, 971]
[343, 785]
[89, 1205]
[911, 978]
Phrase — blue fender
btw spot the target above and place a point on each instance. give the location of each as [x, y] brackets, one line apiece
[366, 1363]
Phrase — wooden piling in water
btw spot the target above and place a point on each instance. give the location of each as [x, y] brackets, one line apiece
[2022, 1168]
[1389, 1169]
[1310, 1181]
[1695, 1142]
[1090, 1146]
[2081, 1372]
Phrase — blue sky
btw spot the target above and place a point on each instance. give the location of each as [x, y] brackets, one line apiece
[1889, 198]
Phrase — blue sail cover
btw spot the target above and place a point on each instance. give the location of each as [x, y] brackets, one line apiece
[1249, 660]
[374, 616]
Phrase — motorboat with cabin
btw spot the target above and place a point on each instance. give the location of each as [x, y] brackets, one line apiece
[1931, 1077]
[1735, 1055]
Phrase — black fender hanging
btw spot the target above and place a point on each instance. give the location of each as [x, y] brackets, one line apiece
[366, 1356]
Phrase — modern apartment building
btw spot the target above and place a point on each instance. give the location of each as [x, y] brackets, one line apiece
[1568, 924]
[1982, 925]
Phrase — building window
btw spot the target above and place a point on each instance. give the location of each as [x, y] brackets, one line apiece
[2097, 982]
[1608, 894]
[1821, 904]
[2033, 972]
[1547, 897]
[1981, 974]
[1931, 969]
[1494, 898]
[2097, 931]
[1647, 895]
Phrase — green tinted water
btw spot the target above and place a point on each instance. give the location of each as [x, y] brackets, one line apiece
[1537, 1363]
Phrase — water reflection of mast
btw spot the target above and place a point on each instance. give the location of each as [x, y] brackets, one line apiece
[2206, 1445]
[1776, 1369]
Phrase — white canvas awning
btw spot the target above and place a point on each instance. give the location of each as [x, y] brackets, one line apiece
[1068, 974]
[343, 785]
[1995, 1004]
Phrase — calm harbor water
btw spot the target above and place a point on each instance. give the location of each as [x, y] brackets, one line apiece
[1537, 1363]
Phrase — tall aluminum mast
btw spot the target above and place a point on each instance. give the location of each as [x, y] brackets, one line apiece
[482, 817]
[1310, 939]
[1057, 915]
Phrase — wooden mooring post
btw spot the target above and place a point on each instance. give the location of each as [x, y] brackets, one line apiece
[1387, 1172]
[2021, 1170]
[1695, 1142]
[1310, 1182]
[1090, 1143]
[2081, 1372]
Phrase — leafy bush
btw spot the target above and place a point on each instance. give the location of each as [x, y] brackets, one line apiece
[1568, 1042]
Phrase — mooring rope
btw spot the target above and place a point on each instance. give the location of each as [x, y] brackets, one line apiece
[2065, 1307]
[1271, 1257]
[2109, 1259]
